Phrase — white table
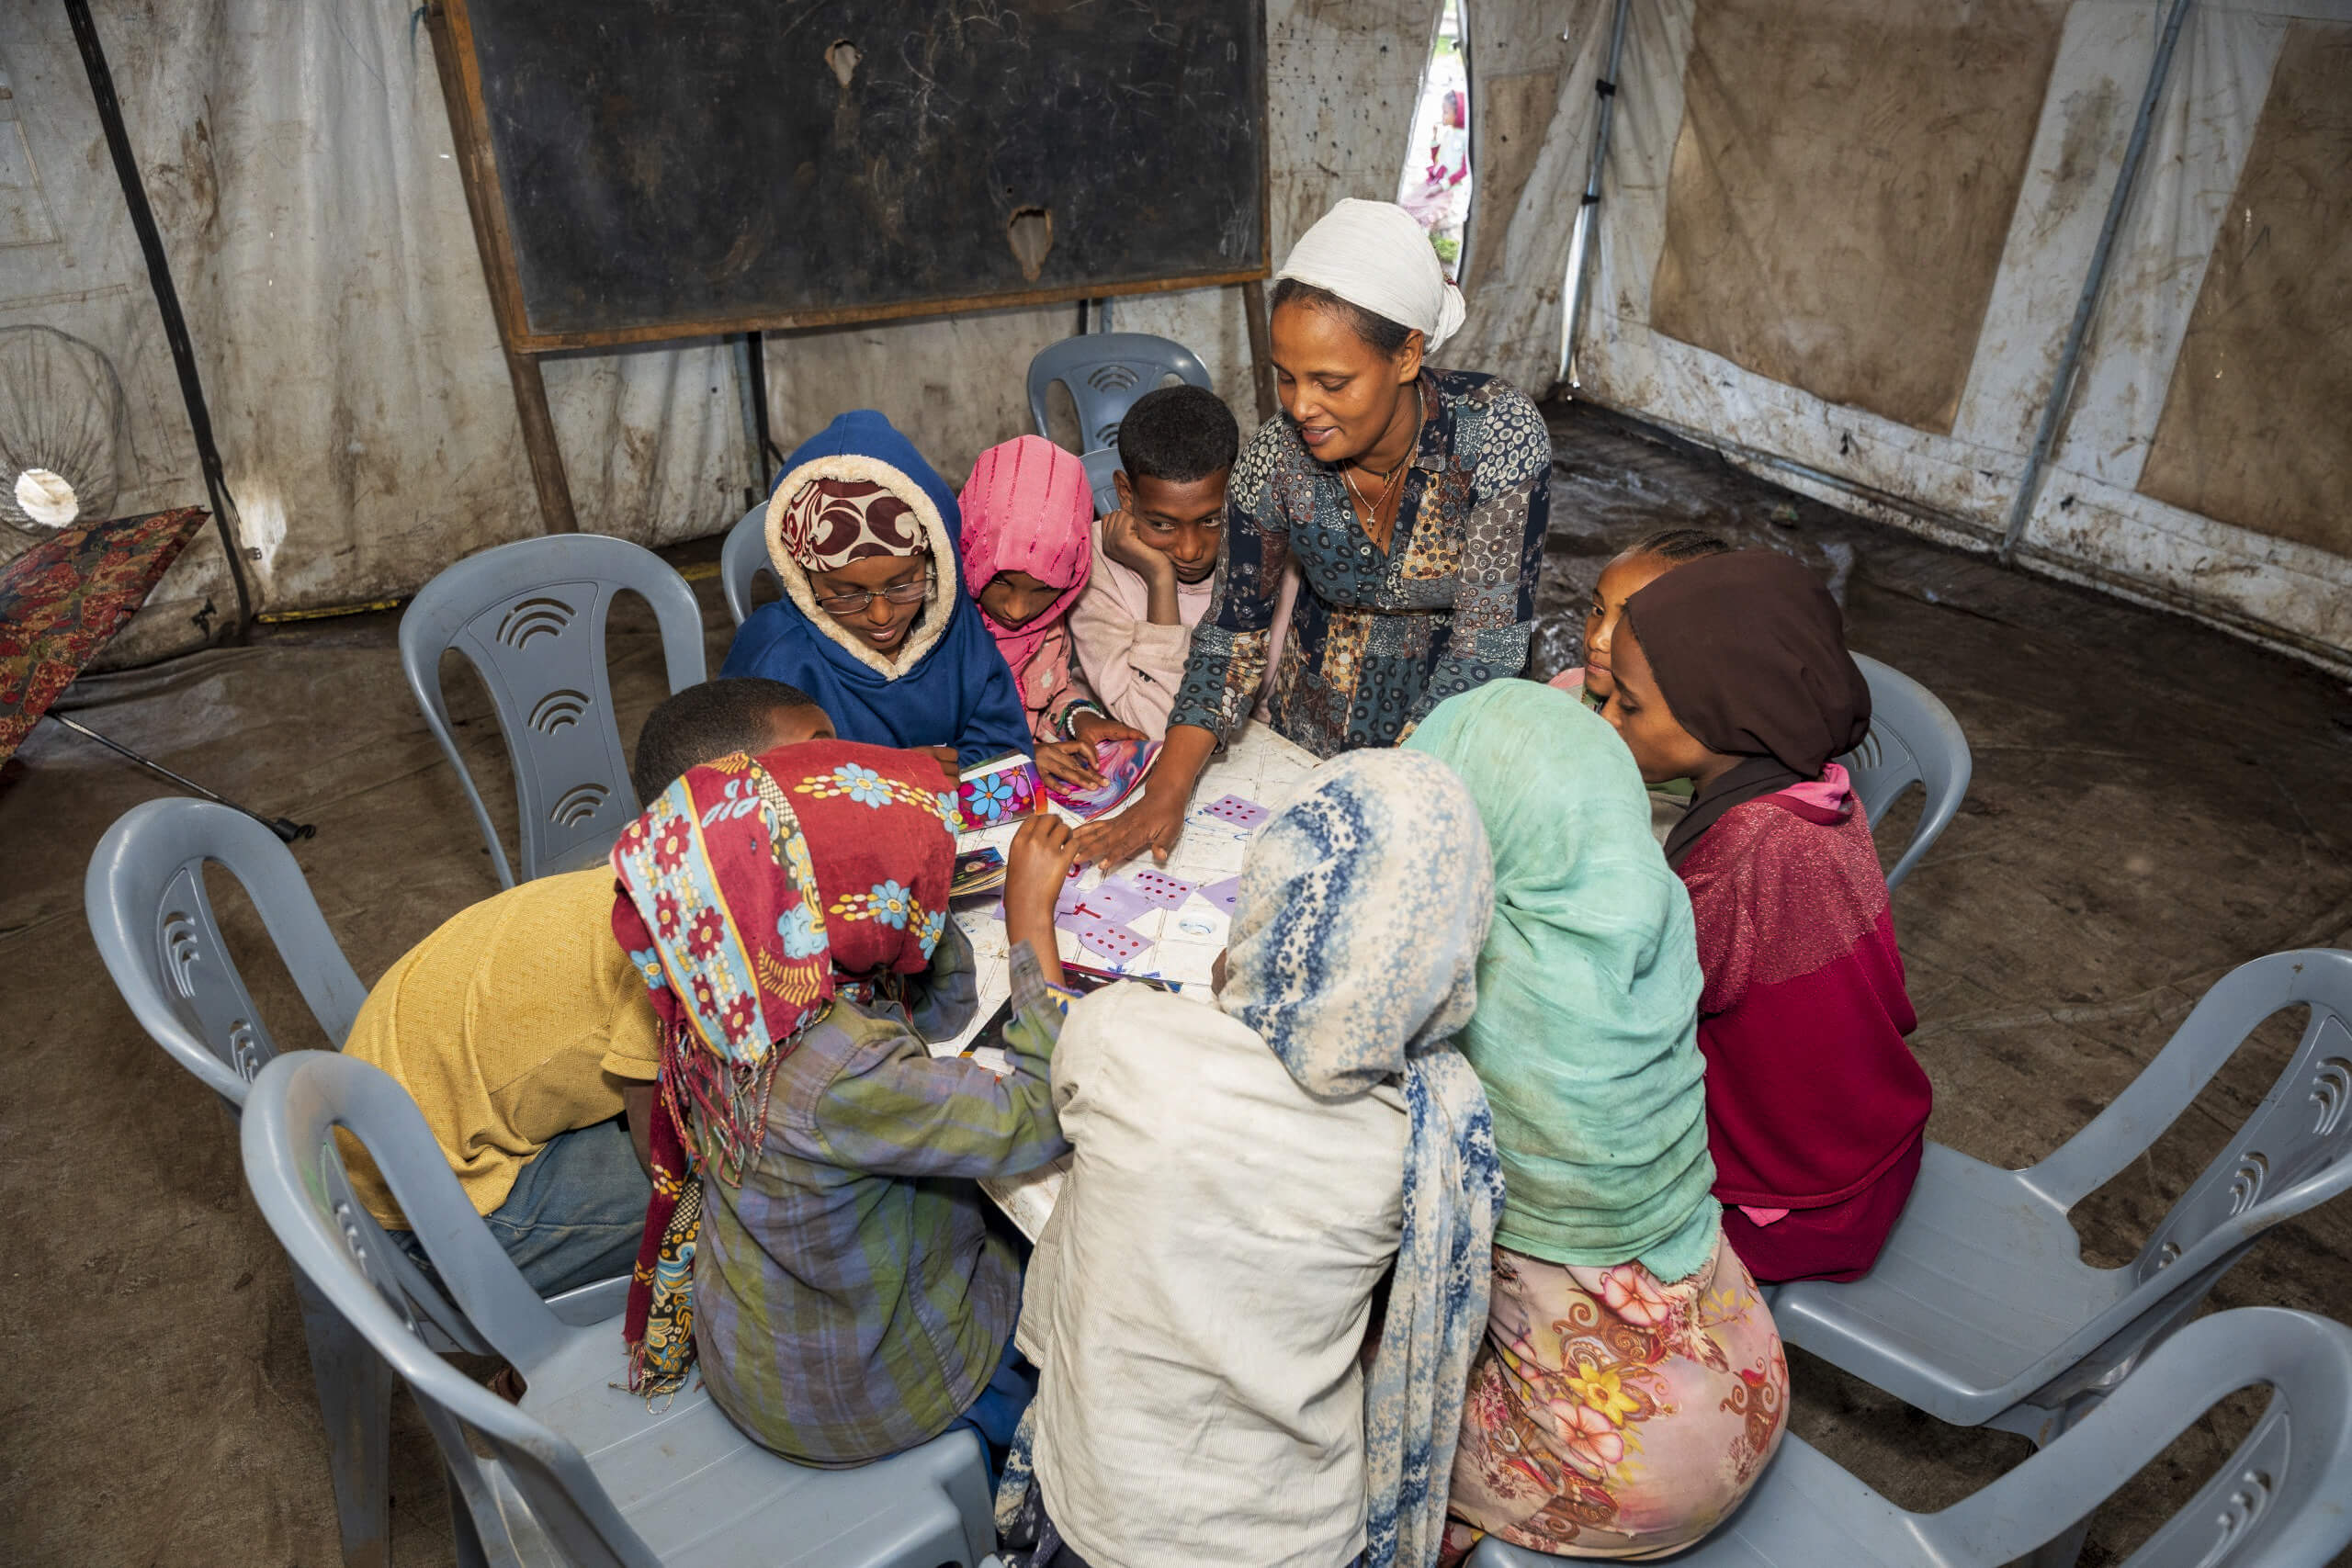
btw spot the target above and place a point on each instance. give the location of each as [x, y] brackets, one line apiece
[1183, 943]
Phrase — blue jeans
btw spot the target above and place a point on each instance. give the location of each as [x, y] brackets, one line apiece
[575, 1215]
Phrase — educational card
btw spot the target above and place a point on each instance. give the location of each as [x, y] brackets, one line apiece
[1234, 809]
[1122, 764]
[1225, 895]
[1111, 903]
[1114, 942]
[1168, 891]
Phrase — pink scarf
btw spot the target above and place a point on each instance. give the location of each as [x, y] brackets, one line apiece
[1027, 507]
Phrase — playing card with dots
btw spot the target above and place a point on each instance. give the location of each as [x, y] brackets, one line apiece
[1114, 942]
[1168, 891]
[1233, 809]
[1225, 895]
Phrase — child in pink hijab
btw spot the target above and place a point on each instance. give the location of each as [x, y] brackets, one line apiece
[1028, 546]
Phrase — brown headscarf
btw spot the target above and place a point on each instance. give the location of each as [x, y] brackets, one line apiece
[1749, 652]
[828, 523]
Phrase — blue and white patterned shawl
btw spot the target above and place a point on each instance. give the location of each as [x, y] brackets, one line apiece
[1354, 954]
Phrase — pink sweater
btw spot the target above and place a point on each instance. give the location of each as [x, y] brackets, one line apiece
[1133, 666]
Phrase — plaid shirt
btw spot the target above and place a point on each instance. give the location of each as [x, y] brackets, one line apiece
[850, 1300]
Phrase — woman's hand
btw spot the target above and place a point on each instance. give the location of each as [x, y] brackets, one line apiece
[945, 757]
[1093, 728]
[1154, 820]
[1039, 864]
[1069, 762]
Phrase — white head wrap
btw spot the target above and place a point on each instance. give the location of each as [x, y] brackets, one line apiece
[1373, 254]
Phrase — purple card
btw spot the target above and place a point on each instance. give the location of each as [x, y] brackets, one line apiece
[1112, 903]
[1234, 809]
[1224, 895]
[1168, 891]
[1117, 943]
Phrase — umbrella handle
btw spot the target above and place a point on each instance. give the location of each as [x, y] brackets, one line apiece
[288, 832]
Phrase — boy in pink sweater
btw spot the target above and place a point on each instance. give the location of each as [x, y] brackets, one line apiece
[1154, 558]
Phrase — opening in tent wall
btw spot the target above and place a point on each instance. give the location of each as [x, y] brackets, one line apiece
[1802, 279]
[299, 163]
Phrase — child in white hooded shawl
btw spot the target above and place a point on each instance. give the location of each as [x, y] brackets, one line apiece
[1244, 1175]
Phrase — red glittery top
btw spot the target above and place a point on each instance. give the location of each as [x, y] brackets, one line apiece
[1812, 1093]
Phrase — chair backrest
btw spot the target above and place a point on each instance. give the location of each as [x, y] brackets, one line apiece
[153, 924]
[2279, 1498]
[2294, 1152]
[156, 931]
[1101, 464]
[1913, 740]
[742, 560]
[530, 618]
[1106, 373]
[297, 1181]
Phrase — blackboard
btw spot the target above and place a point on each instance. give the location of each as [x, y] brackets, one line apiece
[677, 168]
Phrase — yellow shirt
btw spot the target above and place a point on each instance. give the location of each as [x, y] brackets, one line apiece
[519, 1019]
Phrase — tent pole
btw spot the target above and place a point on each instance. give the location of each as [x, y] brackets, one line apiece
[1572, 330]
[167, 301]
[2062, 383]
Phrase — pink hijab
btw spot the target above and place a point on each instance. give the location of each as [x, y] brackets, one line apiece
[1027, 507]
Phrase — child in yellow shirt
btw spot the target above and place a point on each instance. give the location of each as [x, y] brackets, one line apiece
[526, 1036]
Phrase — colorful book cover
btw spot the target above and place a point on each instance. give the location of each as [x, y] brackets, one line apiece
[1122, 764]
[998, 791]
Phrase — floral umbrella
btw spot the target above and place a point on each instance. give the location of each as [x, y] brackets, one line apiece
[62, 600]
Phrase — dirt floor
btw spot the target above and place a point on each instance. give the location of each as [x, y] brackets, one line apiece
[2154, 803]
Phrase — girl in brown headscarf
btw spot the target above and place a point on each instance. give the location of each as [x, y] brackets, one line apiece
[1733, 673]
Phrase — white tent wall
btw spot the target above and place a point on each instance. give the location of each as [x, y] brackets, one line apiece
[2090, 523]
[1532, 66]
[299, 163]
[78, 270]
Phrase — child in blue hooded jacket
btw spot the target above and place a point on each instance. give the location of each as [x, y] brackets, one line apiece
[874, 622]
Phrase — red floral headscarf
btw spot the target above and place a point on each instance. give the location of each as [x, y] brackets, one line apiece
[752, 894]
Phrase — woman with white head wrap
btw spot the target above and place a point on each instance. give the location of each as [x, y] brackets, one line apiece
[1413, 502]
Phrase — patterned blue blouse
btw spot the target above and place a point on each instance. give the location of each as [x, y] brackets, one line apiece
[1377, 639]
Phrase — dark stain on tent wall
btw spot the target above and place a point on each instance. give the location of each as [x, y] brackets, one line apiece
[1842, 189]
[2257, 428]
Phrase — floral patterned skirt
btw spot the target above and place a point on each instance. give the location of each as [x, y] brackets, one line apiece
[1611, 1416]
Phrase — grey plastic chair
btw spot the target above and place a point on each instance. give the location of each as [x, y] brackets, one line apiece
[1913, 740]
[2279, 1503]
[530, 618]
[157, 935]
[1106, 373]
[1101, 464]
[582, 1471]
[153, 922]
[741, 560]
[1981, 1311]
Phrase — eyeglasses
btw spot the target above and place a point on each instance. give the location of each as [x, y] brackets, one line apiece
[897, 593]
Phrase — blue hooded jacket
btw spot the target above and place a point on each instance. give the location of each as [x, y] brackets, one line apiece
[957, 692]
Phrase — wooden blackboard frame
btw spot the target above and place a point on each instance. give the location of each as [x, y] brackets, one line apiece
[461, 72]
